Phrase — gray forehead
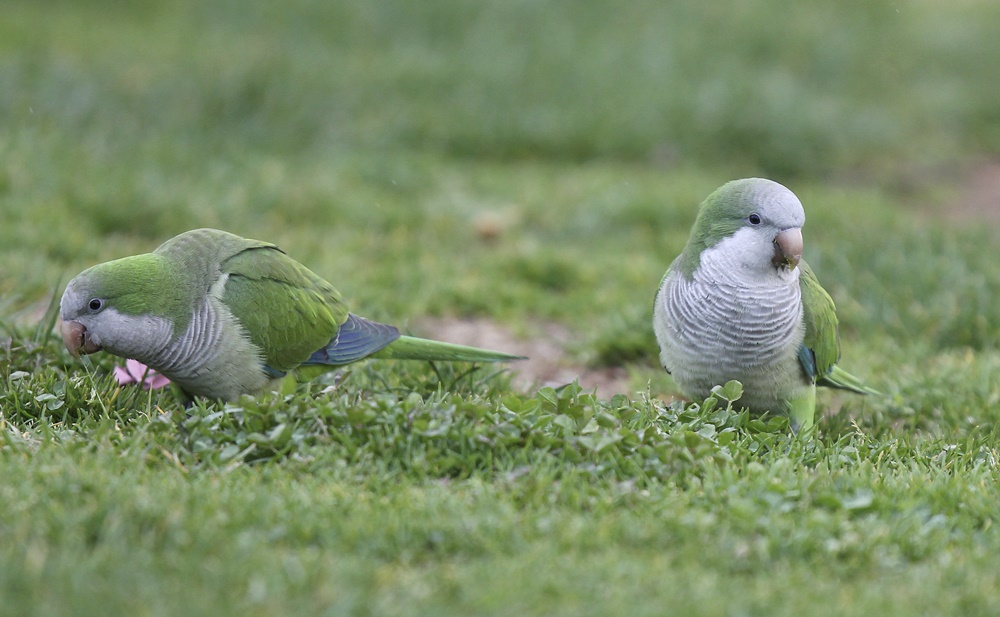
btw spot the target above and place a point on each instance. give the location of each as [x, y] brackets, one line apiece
[70, 300]
[777, 202]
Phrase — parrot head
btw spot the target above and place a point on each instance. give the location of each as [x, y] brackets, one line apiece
[122, 306]
[759, 220]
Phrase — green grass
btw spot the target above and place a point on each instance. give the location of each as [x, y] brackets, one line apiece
[530, 164]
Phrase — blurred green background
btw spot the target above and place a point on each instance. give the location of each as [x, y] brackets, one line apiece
[371, 135]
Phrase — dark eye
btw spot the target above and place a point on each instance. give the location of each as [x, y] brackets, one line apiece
[95, 304]
[754, 219]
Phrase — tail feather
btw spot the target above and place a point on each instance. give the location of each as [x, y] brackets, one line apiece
[842, 380]
[362, 338]
[413, 348]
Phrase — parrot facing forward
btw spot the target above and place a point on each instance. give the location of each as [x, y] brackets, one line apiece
[740, 303]
[223, 316]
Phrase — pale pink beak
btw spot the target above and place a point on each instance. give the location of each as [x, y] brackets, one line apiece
[788, 248]
[77, 340]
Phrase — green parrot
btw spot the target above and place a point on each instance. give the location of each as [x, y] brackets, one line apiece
[223, 316]
[740, 303]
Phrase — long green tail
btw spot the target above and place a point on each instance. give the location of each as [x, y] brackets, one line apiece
[413, 348]
[842, 380]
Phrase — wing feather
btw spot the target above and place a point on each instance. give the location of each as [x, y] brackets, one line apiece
[821, 345]
[287, 310]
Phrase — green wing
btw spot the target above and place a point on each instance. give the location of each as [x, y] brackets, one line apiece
[288, 311]
[821, 344]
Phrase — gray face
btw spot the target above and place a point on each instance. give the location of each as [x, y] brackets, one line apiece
[90, 324]
[79, 312]
[769, 240]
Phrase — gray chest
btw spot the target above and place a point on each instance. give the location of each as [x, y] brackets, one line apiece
[213, 357]
[717, 326]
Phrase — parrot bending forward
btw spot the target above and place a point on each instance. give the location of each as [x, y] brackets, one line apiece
[223, 316]
[740, 303]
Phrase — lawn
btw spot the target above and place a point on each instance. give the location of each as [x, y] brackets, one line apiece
[520, 174]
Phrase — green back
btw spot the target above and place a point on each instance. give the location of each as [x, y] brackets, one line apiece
[288, 311]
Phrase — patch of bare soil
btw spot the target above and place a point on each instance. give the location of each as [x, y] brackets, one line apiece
[547, 363]
[979, 201]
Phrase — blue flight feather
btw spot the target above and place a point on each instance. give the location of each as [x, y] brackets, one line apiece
[357, 338]
[273, 373]
[808, 361]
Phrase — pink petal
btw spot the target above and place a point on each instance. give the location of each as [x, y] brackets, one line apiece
[155, 381]
[134, 371]
[123, 376]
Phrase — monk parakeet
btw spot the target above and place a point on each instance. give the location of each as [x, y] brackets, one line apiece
[223, 316]
[740, 303]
